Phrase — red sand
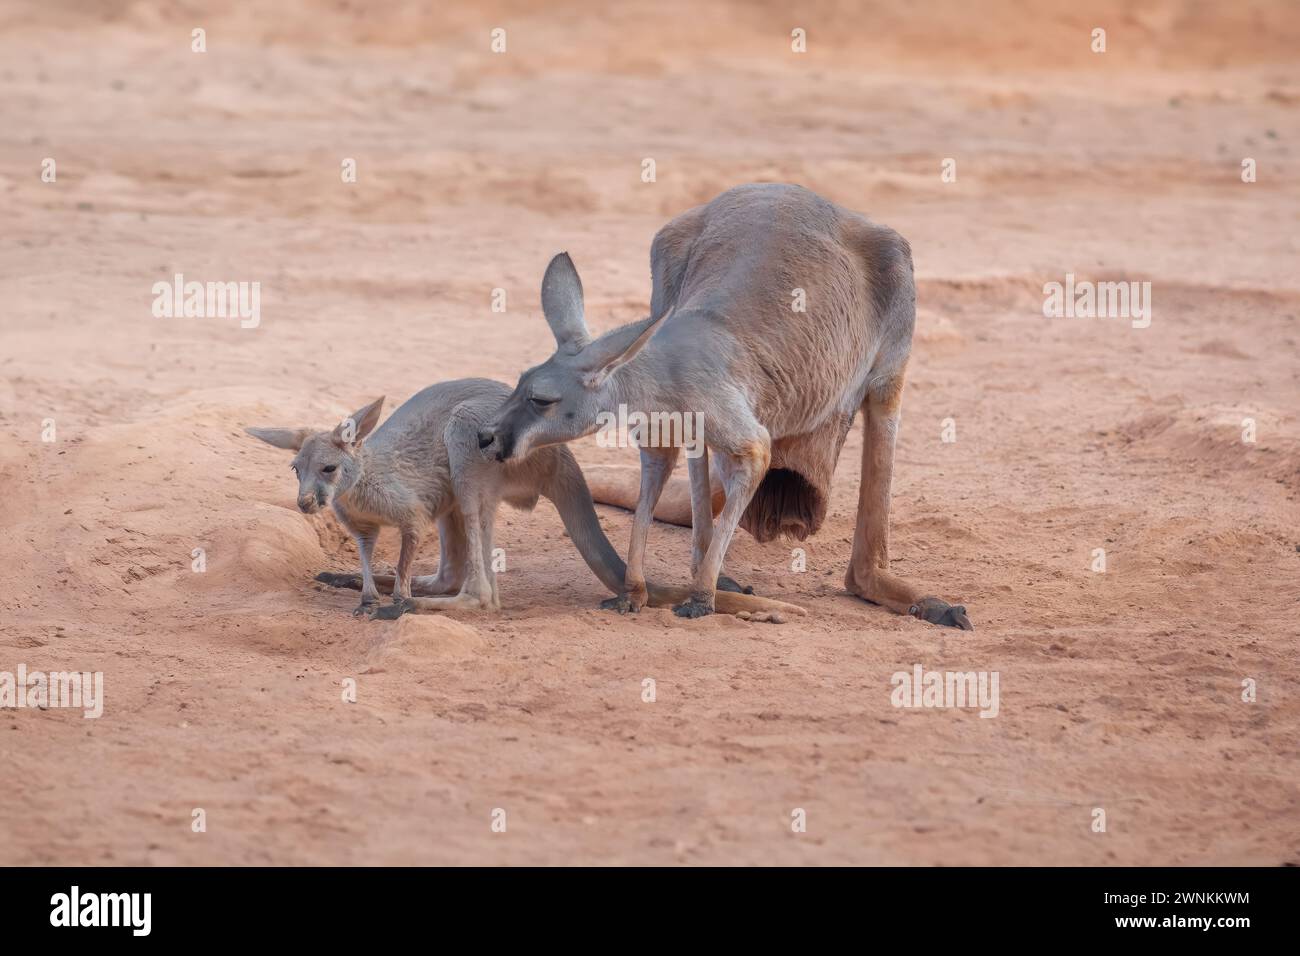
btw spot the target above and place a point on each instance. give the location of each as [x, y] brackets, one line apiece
[1119, 690]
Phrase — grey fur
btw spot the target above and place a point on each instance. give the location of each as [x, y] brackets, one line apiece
[778, 389]
[423, 468]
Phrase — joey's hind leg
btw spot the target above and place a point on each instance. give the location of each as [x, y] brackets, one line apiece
[477, 589]
[451, 560]
[475, 593]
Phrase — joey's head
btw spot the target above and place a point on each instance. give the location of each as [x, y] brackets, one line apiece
[559, 400]
[327, 463]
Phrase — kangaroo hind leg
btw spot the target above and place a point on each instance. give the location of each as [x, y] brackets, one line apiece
[868, 575]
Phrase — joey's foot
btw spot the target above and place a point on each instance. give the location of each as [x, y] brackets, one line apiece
[940, 612]
[366, 607]
[352, 581]
[621, 603]
[730, 584]
[695, 607]
[391, 612]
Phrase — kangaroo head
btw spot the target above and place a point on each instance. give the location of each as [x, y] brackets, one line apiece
[326, 463]
[559, 400]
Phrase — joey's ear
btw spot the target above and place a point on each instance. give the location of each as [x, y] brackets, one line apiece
[359, 424]
[562, 304]
[288, 438]
[616, 349]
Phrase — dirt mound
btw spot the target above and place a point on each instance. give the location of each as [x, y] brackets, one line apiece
[1213, 438]
[413, 640]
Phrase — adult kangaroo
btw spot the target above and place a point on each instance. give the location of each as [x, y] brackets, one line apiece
[778, 387]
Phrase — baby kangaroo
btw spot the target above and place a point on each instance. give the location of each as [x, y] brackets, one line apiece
[423, 468]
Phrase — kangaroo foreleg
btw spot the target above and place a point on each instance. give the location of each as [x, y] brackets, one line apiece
[656, 467]
[744, 470]
[701, 508]
[366, 538]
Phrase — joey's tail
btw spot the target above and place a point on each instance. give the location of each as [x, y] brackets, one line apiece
[567, 488]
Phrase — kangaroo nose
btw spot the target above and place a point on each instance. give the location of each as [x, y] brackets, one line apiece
[486, 437]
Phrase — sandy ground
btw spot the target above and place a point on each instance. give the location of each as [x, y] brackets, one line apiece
[1119, 690]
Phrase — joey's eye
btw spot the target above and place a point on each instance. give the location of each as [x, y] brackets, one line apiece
[295, 469]
[329, 469]
[539, 402]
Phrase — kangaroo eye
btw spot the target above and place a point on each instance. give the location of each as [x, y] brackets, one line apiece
[329, 469]
[539, 402]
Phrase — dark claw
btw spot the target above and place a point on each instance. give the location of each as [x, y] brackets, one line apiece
[620, 603]
[942, 613]
[730, 584]
[693, 608]
[365, 608]
[390, 612]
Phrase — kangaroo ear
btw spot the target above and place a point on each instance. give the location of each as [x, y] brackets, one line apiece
[288, 438]
[562, 304]
[614, 350]
[359, 424]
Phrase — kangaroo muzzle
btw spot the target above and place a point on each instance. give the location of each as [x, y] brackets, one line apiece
[503, 441]
[311, 502]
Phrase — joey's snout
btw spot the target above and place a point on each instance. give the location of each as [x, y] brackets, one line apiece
[494, 438]
[312, 500]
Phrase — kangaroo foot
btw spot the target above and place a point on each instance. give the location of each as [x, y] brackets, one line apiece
[695, 607]
[366, 607]
[940, 612]
[621, 603]
[730, 584]
[351, 581]
[391, 612]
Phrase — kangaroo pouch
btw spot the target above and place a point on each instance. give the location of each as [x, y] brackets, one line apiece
[792, 499]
